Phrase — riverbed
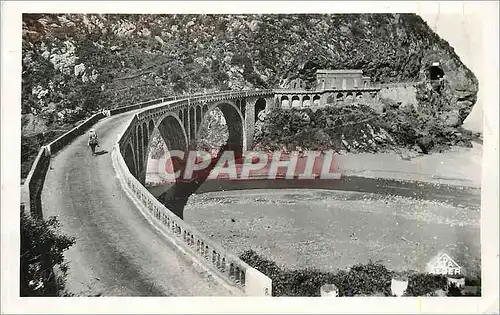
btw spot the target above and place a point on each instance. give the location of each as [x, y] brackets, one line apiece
[330, 230]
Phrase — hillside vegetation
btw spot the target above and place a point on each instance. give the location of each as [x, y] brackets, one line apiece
[74, 64]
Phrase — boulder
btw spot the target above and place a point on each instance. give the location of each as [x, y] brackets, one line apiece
[305, 118]
[407, 154]
[261, 116]
[346, 145]
[425, 143]
[451, 118]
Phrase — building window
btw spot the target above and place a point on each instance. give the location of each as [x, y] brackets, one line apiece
[355, 83]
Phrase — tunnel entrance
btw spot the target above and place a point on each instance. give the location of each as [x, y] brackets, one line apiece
[435, 72]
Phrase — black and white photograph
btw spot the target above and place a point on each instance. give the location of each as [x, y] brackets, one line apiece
[211, 149]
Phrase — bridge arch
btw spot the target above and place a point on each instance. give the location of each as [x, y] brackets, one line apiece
[285, 102]
[172, 131]
[260, 105]
[316, 100]
[140, 148]
[145, 141]
[306, 101]
[198, 117]
[129, 158]
[235, 125]
[243, 107]
[185, 119]
[151, 127]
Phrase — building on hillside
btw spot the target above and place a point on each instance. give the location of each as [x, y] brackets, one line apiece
[332, 87]
[340, 87]
[341, 80]
[443, 264]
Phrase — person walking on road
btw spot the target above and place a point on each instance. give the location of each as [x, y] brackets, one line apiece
[93, 141]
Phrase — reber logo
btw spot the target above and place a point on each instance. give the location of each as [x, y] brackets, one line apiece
[192, 165]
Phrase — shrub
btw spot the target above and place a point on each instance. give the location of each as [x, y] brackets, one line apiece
[42, 248]
[422, 284]
[362, 279]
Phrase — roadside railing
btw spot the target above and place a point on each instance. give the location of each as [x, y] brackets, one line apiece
[31, 191]
[233, 270]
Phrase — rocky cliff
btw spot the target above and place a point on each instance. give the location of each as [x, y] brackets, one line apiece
[76, 64]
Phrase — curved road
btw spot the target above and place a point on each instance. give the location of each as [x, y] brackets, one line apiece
[117, 252]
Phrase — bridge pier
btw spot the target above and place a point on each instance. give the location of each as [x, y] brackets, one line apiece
[249, 123]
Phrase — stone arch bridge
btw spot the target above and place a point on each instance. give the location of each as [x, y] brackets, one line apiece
[180, 123]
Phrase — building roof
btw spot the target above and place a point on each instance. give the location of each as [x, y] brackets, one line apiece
[339, 71]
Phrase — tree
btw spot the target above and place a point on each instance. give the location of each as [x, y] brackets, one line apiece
[42, 248]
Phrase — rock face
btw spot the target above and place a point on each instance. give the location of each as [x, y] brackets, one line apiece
[461, 83]
[349, 128]
[162, 54]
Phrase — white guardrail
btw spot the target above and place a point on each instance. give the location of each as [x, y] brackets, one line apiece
[213, 258]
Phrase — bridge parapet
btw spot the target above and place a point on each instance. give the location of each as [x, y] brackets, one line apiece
[31, 191]
[210, 255]
[219, 261]
[398, 84]
[183, 101]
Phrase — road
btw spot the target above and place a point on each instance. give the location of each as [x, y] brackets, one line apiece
[117, 252]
